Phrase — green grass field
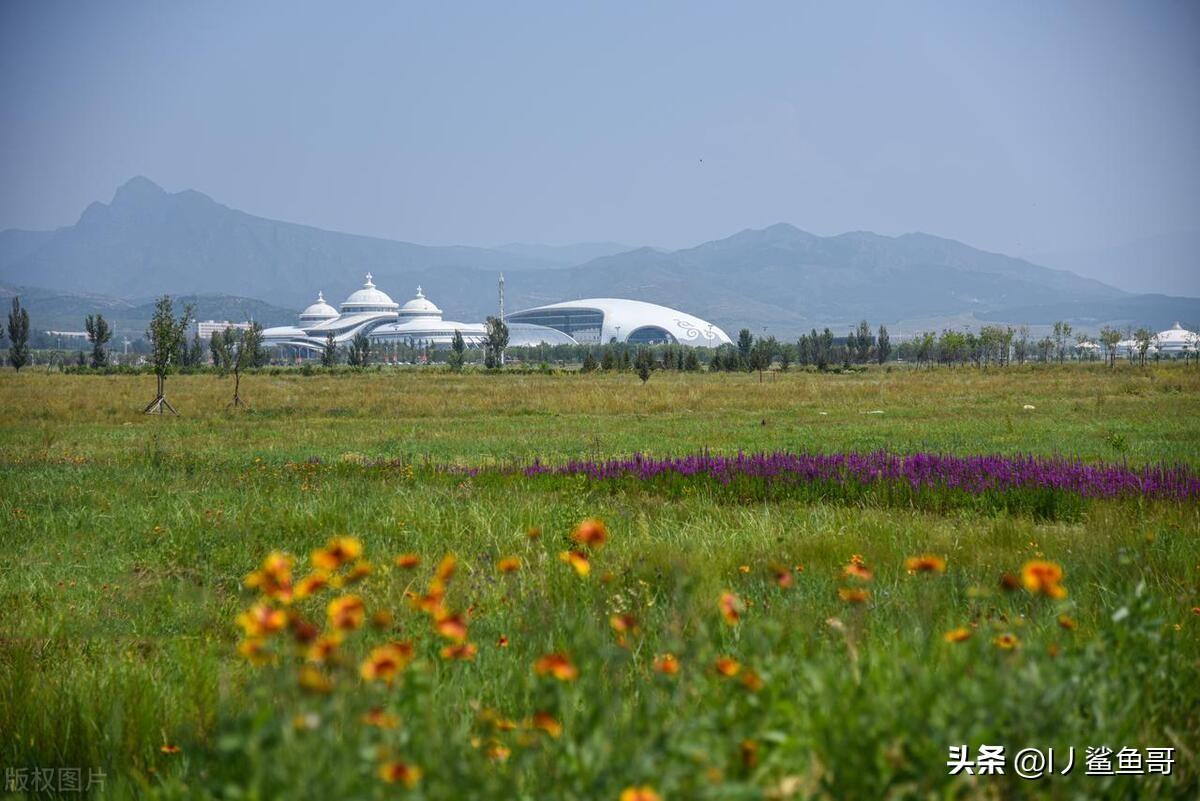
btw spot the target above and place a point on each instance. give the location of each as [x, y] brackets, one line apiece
[129, 537]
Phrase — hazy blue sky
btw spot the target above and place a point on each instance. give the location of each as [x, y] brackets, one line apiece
[1020, 127]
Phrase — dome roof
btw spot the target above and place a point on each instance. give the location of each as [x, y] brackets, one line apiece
[319, 310]
[1176, 338]
[420, 306]
[368, 299]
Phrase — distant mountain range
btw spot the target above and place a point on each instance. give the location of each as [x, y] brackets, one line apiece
[148, 241]
[51, 310]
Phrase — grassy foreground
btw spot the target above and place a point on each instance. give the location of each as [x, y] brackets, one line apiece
[129, 539]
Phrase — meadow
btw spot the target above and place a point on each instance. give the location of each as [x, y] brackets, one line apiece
[356, 588]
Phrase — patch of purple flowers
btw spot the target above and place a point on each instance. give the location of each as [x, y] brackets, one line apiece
[975, 475]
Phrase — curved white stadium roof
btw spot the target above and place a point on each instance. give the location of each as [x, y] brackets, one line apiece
[599, 320]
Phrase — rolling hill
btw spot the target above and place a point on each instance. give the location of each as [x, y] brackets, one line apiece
[148, 241]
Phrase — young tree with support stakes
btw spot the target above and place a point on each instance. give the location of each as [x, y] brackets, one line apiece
[235, 350]
[166, 334]
[98, 333]
[18, 335]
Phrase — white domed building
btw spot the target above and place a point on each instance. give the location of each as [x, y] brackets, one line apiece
[419, 322]
[1175, 341]
[371, 311]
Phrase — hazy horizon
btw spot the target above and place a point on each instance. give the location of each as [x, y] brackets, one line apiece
[1019, 129]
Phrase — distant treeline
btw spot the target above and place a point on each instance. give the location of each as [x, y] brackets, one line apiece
[992, 345]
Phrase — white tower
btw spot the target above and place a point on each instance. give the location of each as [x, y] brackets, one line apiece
[502, 312]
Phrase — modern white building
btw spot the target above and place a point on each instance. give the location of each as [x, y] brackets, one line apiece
[602, 320]
[206, 328]
[1175, 342]
[421, 323]
[371, 311]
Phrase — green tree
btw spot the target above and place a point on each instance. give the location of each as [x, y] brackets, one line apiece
[861, 342]
[745, 344]
[643, 362]
[18, 335]
[329, 353]
[98, 333]
[1142, 337]
[360, 350]
[458, 349]
[1109, 337]
[691, 362]
[883, 345]
[497, 341]
[589, 362]
[608, 361]
[167, 334]
[235, 350]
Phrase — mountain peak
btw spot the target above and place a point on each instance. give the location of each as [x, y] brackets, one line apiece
[137, 190]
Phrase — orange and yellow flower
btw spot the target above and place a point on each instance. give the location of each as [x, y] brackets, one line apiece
[666, 664]
[727, 666]
[346, 612]
[1042, 577]
[853, 595]
[591, 533]
[1066, 622]
[255, 651]
[323, 649]
[557, 665]
[313, 680]
[578, 560]
[960, 634]
[361, 569]
[408, 561]
[857, 570]
[311, 584]
[751, 680]
[509, 564]
[386, 661]
[925, 563]
[547, 723]
[731, 607]
[274, 578]
[261, 620]
[463, 652]
[1006, 641]
[781, 575]
[643, 793]
[337, 552]
[381, 719]
[445, 569]
[452, 627]
[396, 772]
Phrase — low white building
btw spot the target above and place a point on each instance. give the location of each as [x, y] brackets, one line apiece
[206, 328]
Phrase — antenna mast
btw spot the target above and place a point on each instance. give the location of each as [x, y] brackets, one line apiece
[501, 312]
